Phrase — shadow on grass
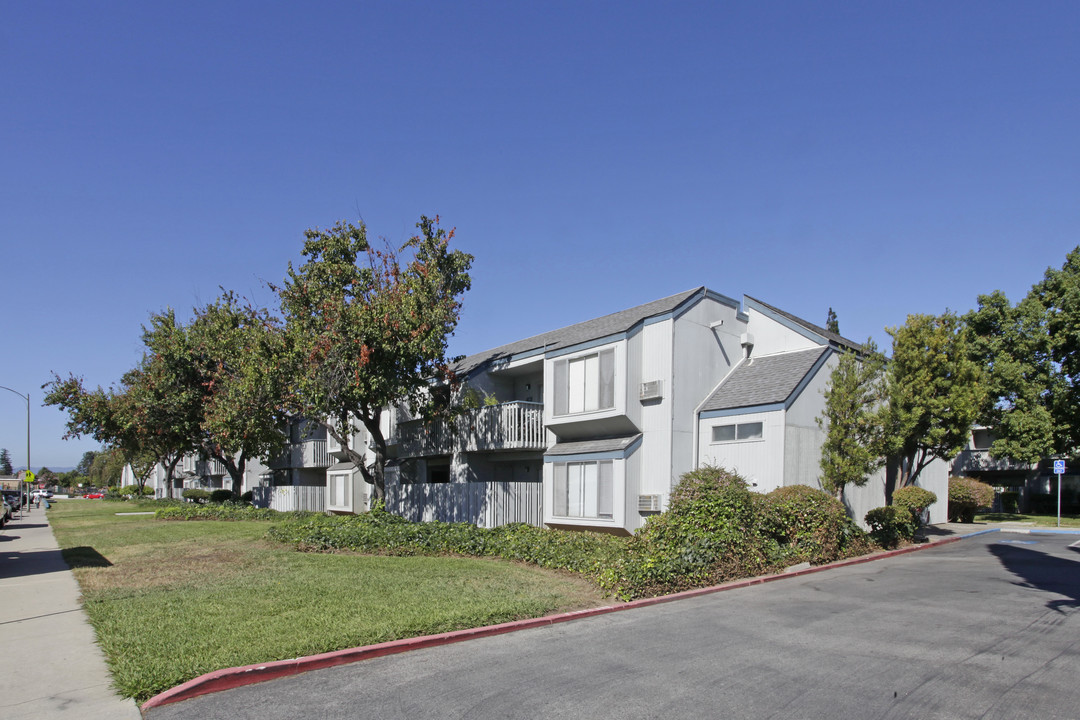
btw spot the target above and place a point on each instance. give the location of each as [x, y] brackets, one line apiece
[85, 557]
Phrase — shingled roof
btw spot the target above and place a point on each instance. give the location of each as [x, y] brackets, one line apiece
[764, 380]
[834, 338]
[612, 324]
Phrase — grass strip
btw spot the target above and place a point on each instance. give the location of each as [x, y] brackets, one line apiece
[173, 600]
[1050, 521]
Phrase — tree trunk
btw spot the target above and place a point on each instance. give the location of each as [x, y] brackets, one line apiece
[379, 447]
[173, 462]
[235, 468]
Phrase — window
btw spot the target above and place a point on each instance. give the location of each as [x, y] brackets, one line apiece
[338, 491]
[585, 384]
[738, 431]
[438, 473]
[584, 489]
[981, 439]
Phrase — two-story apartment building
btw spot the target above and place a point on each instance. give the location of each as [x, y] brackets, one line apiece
[591, 425]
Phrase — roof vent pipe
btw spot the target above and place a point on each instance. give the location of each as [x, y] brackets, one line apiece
[747, 341]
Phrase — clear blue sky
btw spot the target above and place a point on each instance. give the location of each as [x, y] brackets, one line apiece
[879, 158]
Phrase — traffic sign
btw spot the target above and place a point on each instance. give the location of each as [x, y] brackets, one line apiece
[1059, 467]
[29, 476]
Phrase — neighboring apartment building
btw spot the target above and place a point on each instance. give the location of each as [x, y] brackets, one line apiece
[1023, 487]
[591, 426]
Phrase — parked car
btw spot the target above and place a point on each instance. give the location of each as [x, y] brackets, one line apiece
[5, 513]
[93, 496]
[14, 499]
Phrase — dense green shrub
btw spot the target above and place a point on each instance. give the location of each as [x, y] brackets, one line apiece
[197, 495]
[220, 496]
[891, 524]
[810, 525]
[247, 497]
[222, 511]
[966, 497]
[136, 491]
[1010, 501]
[915, 500]
[709, 534]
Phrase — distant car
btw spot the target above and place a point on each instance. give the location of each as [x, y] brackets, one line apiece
[93, 496]
[5, 512]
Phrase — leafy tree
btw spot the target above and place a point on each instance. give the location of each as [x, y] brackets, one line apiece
[1012, 344]
[831, 323]
[72, 478]
[368, 330]
[5, 463]
[1030, 353]
[1059, 295]
[110, 417]
[221, 380]
[236, 355]
[87, 461]
[935, 391]
[854, 444]
[107, 469]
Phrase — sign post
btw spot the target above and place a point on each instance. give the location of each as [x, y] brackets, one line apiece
[1059, 470]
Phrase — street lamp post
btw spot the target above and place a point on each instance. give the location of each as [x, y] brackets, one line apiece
[25, 397]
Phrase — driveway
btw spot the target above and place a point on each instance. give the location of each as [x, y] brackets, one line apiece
[983, 628]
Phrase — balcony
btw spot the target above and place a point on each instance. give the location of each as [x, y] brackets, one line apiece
[304, 454]
[192, 465]
[980, 461]
[514, 425]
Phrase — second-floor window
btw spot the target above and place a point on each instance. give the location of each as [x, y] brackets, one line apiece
[585, 383]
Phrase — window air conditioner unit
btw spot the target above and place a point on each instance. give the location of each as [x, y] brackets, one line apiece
[648, 503]
[652, 390]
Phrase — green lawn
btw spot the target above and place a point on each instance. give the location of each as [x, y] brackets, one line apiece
[1069, 521]
[173, 600]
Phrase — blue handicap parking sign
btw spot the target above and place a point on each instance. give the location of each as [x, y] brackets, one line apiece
[1059, 467]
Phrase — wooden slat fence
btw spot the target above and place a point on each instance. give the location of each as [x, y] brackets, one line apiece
[288, 498]
[483, 504]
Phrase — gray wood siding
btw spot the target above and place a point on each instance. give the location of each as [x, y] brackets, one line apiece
[486, 504]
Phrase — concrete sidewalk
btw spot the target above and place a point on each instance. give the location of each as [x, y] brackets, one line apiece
[50, 664]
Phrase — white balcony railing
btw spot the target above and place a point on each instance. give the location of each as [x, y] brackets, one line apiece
[514, 425]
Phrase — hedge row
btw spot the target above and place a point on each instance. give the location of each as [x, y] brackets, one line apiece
[379, 532]
[715, 529]
[223, 511]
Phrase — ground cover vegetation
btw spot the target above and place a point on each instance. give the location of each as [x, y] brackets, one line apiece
[715, 529]
[1034, 519]
[173, 600]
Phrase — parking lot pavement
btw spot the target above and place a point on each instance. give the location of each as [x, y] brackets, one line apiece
[50, 664]
[982, 628]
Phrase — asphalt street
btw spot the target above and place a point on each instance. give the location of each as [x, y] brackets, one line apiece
[982, 628]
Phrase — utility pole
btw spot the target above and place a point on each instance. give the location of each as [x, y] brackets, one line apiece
[25, 397]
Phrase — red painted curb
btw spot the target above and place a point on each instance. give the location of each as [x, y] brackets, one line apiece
[229, 678]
